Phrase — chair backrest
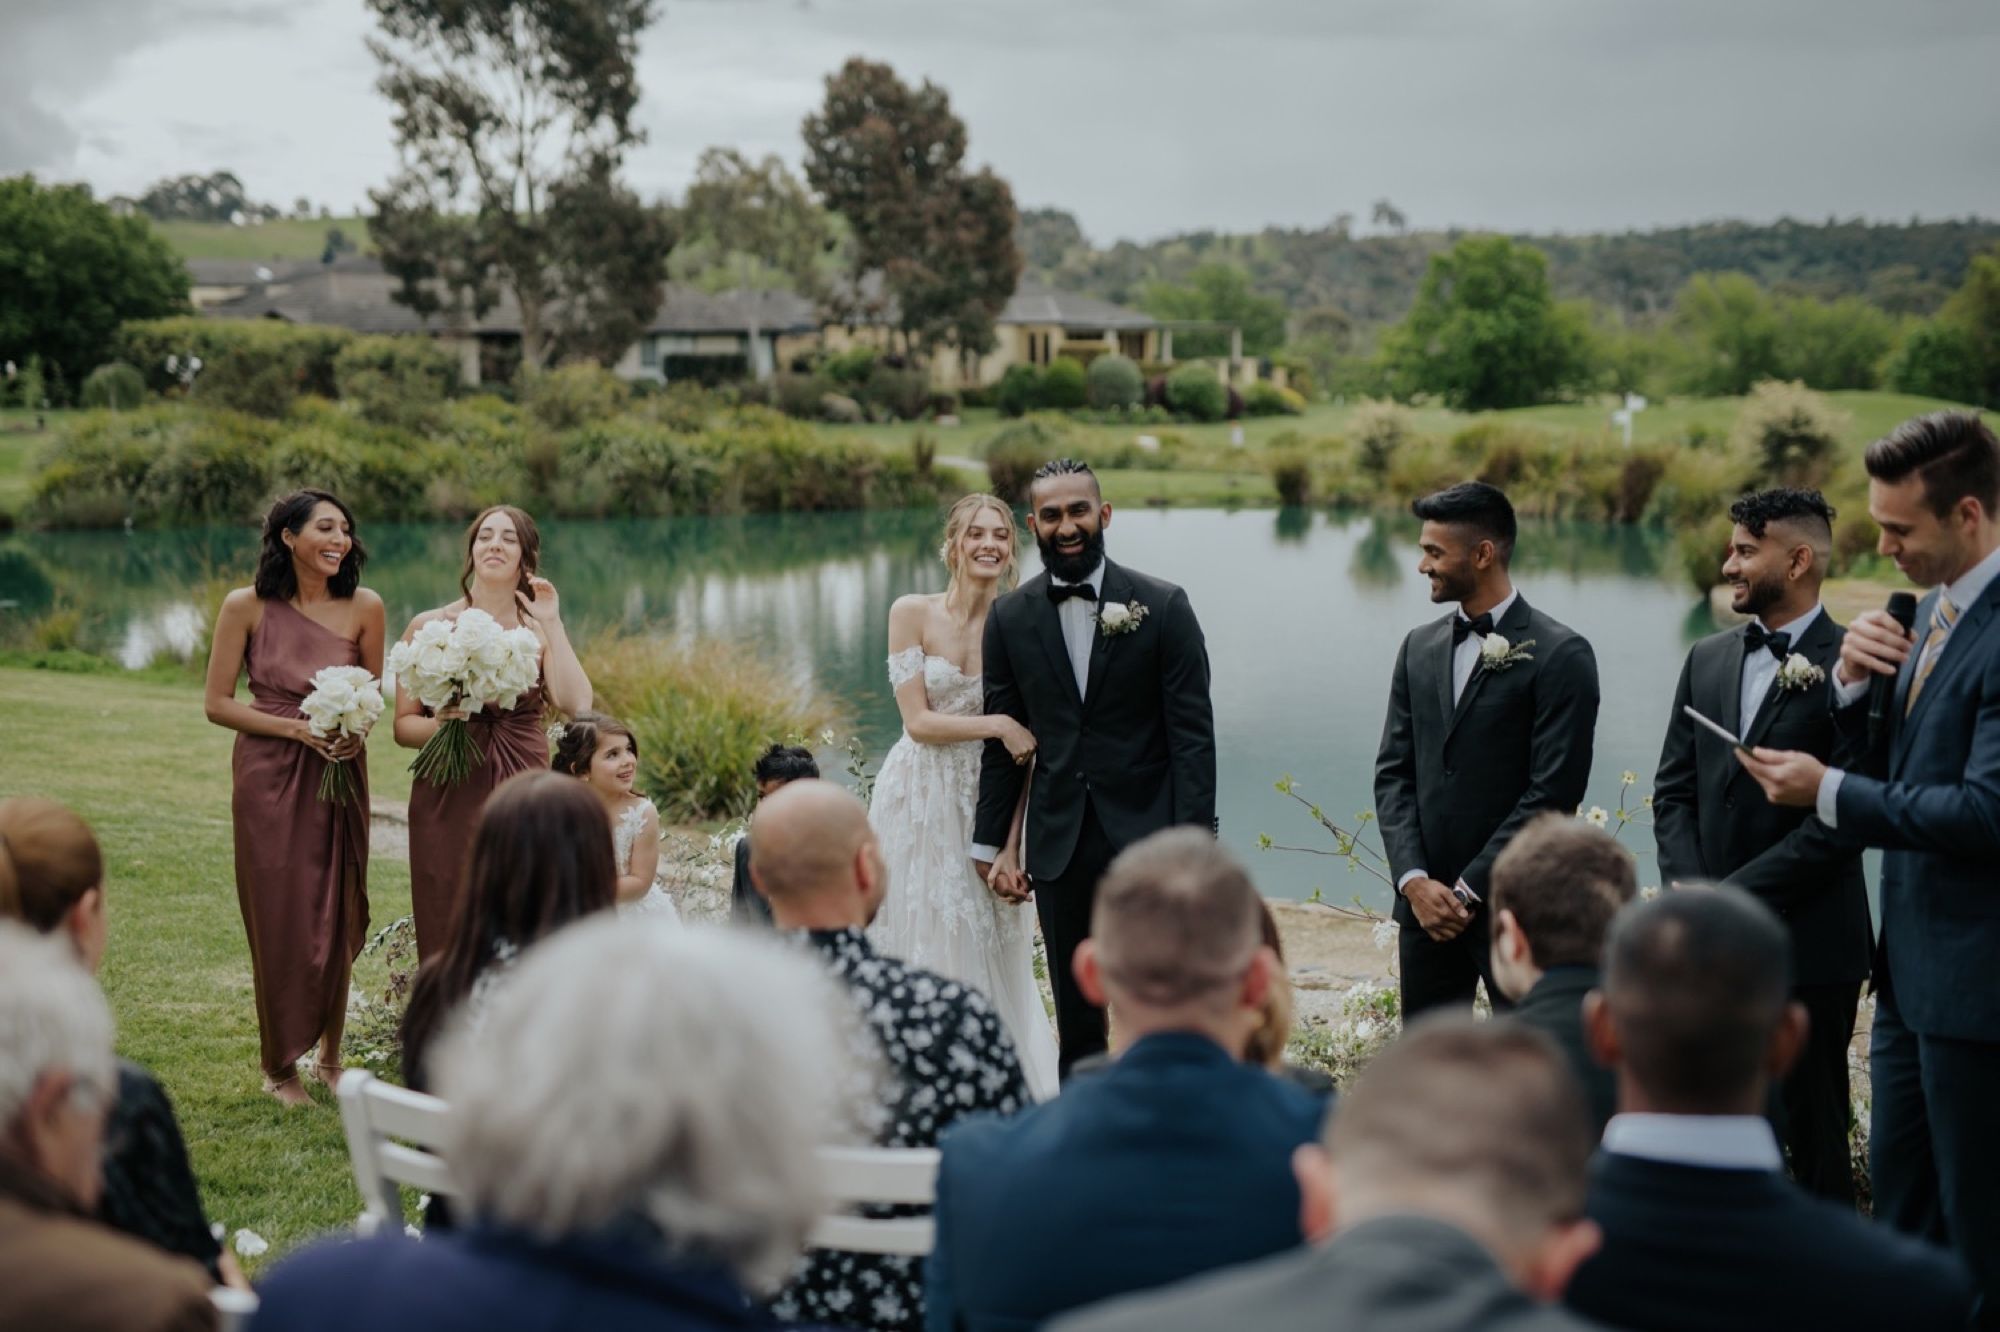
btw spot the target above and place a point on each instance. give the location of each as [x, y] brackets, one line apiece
[856, 1175]
[233, 1308]
[375, 1115]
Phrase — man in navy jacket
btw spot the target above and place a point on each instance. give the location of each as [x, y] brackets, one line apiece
[1176, 1159]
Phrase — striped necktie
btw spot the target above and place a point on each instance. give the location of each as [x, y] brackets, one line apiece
[1943, 616]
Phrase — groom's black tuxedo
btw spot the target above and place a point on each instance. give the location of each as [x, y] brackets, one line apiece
[1713, 825]
[1455, 781]
[1130, 755]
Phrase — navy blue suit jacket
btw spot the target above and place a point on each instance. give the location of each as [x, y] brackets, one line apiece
[1937, 815]
[480, 1280]
[1174, 1160]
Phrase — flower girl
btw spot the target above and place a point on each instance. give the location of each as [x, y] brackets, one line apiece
[603, 753]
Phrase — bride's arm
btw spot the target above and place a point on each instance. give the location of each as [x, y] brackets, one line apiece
[1008, 878]
[925, 726]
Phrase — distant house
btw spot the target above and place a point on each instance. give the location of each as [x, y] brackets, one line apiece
[699, 335]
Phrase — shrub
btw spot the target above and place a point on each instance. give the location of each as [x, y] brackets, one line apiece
[1113, 382]
[1790, 432]
[1019, 391]
[573, 395]
[1264, 398]
[1939, 359]
[840, 409]
[702, 713]
[1379, 430]
[1233, 404]
[29, 390]
[395, 381]
[1065, 386]
[1194, 391]
[854, 366]
[253, 365]
[115, 385]
[1637, 480]
[1013, 455]
[1701, 547]
[902, 394]
[799, 395]
[1291, 474]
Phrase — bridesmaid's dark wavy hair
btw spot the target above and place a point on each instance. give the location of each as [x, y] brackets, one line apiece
[578, 745]
[531, 553]
[276, 578]
[541, 858]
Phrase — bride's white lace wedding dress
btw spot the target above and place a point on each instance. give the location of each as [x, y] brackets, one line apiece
[938, 915]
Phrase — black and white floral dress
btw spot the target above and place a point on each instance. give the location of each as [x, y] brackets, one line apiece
[950, 1056]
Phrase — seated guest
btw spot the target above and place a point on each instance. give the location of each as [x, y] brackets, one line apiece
[778, 766]
[1176, 1159]
[52, 880]
[59, 1267]
[1447, 1198]
[946, 1051]
[541, 858]
[632, 1129]
[1555, 889]
[1701, 1228]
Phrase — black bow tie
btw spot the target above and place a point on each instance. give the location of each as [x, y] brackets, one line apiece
[1756, 636]
[1479, 624]
[1061, 592]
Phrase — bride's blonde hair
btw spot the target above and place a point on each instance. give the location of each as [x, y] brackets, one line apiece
[954, 527]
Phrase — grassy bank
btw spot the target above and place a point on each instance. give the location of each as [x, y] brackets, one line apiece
[140, 762]
[281, 238]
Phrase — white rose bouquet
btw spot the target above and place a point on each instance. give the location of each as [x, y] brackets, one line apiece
[468, 662]
[345, 701]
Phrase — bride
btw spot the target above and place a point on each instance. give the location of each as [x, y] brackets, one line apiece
[938, 914]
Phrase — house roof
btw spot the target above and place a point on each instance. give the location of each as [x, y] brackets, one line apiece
[690, 310]
[1034, 303]
[243, 272]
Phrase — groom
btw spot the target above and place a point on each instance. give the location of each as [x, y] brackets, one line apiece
[1492, 715]
[1108, 669]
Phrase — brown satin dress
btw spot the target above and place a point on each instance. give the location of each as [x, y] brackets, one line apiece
[301, 863]
[442, 818]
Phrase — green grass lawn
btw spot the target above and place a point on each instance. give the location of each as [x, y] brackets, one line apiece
[142, 764]
[284, 238]
[20, 442]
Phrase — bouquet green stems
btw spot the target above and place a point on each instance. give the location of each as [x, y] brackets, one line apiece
[449, 756]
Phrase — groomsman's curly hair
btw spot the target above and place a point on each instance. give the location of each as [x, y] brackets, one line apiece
[1755, 512]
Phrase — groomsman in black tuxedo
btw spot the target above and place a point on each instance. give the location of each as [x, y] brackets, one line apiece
[1765, 682]
[1492, 716]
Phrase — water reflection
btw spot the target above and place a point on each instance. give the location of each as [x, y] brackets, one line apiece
[1303, 611]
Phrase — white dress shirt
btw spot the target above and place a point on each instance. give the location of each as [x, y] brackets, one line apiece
[1964, 592]
[1079, 630]
[1760, 668]
[1718, 1142]
[1464, 660]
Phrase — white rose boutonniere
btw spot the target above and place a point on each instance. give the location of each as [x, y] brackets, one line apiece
[1496, 654]
[1795, 673]
[1114, 619]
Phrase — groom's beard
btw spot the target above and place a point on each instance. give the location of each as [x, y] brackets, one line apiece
[1072, 568]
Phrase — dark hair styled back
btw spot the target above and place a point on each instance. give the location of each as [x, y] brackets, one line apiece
[1484, 509]
[1755, 512]
[1055, 467]
[785, 763]
[1563, 880]
[1955, 454]
[580, 738]
[1696, 981]
[276, 579]
[541, 858]
[531, 553]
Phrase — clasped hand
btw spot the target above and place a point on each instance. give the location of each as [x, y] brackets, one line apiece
[1437, 908]
[1005, 877]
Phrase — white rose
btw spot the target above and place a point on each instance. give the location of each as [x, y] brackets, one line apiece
[1493, 648]
[1114, 616]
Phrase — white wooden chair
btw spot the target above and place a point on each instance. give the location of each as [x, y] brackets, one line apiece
[856, 1175]
[375, 1115]
[233, 1308]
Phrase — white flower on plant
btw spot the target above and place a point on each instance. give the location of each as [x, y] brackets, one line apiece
[1364, 1030]
[1384, 933]
[1648, 894]
[249, 1244]
[1598, 816]
[1628, 777]
[1795, 673]
[1115, 618]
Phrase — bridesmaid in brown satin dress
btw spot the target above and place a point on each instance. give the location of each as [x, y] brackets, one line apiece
[503, 553]
[301, 863]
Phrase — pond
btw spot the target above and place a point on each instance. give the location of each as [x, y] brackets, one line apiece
[1303, 613]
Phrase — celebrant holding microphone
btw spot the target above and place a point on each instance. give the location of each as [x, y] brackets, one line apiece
[1930, 798]
[501, 580]
[301, 856]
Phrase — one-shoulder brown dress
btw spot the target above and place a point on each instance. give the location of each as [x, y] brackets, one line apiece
[301, 863]
[442, 818]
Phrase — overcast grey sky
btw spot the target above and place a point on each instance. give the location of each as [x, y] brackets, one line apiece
[1143, 117]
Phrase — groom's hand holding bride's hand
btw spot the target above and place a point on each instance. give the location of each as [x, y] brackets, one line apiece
[1005, 878]
[1437, 908]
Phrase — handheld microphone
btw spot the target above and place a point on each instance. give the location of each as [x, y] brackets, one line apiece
[1882, 689]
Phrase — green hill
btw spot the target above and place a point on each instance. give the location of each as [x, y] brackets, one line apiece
[283, 238]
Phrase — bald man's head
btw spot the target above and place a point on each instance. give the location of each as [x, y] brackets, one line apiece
[813, 856]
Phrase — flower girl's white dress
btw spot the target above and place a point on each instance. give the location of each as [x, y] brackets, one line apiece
[656, 903]
[938, 915]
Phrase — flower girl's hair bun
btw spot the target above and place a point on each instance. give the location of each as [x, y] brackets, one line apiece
[576, 741]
